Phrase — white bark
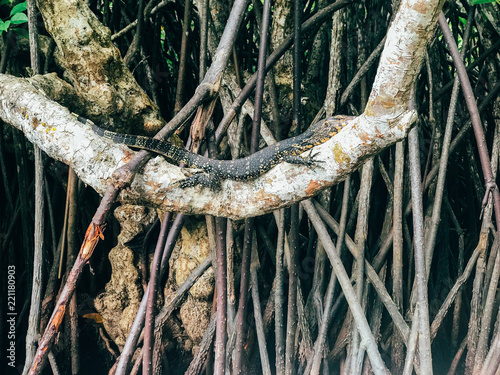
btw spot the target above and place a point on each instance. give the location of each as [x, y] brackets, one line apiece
[334, 67]
[385, 122]
[402, 56]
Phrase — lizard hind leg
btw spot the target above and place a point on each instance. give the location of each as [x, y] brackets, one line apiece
[211, 181]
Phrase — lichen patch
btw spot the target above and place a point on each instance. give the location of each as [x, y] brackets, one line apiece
[341, 157]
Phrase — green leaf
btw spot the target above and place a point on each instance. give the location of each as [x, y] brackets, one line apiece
[23, 33]
[4, 26]
[19, 18]
[5, 2]
[475, 2]
[19, 8]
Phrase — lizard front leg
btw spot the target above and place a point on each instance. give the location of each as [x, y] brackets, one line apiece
[308, 160]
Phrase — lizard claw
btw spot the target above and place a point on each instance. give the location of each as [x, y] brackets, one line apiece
[210, 181]
[310, 160]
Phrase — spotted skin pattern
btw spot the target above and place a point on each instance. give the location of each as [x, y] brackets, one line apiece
[247, 168]
[250, 167]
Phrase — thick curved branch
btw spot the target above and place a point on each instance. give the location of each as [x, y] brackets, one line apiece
[93, 158]
[384, 122]
[403, 55]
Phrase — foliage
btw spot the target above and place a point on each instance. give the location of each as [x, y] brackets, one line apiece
[17, 17]
[477, 2]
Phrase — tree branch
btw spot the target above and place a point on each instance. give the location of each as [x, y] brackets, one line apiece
[384, 122]
[62, 137]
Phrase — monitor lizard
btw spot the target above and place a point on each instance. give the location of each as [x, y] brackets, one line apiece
[247, 168]
[243, 169]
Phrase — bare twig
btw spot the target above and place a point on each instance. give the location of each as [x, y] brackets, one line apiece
[279, 297]
[493, 280]
[203, 11]
[443, 163]
[135, 46]
[438, 319]
[319, 17]
[319, 346]
[249, 227]
[135, 330]
[221, 288]
[293, 235]
[241, 325]
[477, 62]
[420, 274]
[487, 309]
[458, 300]
[198, 361]
[458, 356]
[490, 184]
[147, 349]
[354, 365]
[53, 364]
[259, 326]
[372, 276]
[476, 121]
[356, 309]
[72, 316]
[411, 345]
[186, 26]
[397, 356]
[148, 12]
[492, 361]
[362, 71]
[36, 292]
